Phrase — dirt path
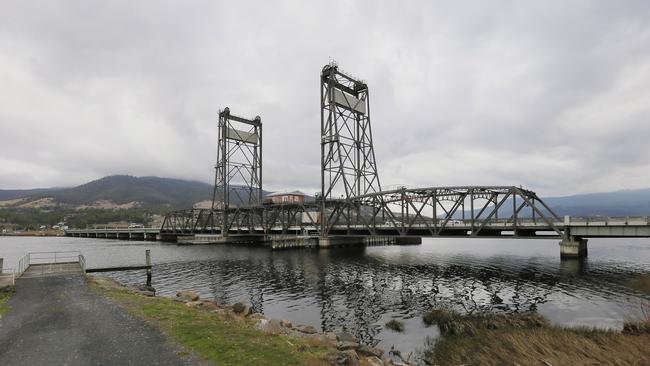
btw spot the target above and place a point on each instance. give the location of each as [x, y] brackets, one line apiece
[60, 321]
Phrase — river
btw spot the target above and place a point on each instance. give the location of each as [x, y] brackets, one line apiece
[360, 289]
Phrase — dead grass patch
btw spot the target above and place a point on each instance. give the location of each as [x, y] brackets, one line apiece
[489, 339]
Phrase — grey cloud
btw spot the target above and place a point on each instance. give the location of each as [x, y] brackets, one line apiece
[552, 96]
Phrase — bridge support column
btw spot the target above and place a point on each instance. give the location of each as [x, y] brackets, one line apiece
[136, 236]
[408, 240]
[573, 248]
[171, 238]
[339, 241]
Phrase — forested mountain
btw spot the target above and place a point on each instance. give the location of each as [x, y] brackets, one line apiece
[118, 191]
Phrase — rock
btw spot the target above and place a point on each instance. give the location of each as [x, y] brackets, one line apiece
[347, 358]
[221, 312]
[187, 295]
[368, 351]
[268, 326]
[331, 338]
[346, 337]
[344, 346]
[241, 309]
[258, 316]
[272, 327]
[210, 305]
[374, 361]
[318, 339]
[305, 329]
[285, 323]
[193, 304]
[146, 288]
[261, 324]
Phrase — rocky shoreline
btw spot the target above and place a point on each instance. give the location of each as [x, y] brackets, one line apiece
[349, 351]
[345, 348]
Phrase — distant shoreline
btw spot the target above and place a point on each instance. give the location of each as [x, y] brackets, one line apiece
[48, 233]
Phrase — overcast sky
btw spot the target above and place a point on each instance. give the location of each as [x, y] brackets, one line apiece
[551, 95]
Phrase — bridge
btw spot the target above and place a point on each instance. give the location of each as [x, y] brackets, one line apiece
[351, 207]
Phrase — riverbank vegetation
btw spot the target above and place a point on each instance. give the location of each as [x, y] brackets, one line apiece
[5, 295]
[218, 336]
[641, 283]
[511, 339]
[395, 325]
[33, 218]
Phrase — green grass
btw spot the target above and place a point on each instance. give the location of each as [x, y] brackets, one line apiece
[5, 295]
[222, 339]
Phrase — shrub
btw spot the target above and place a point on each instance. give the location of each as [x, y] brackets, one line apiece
[395, 325]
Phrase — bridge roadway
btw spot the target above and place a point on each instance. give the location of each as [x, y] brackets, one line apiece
[573, 242]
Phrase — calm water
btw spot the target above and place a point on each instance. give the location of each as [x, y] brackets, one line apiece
[358, 290]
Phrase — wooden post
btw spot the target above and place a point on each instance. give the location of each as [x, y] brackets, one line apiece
[148, 261]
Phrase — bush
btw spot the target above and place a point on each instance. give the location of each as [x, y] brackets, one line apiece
[438, 316]
[395, 325]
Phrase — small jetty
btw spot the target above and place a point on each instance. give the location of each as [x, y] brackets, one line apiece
[60, 263]
[45, 264]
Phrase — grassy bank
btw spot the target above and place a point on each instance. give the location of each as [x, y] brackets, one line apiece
[489, 339]
[217, 337]
[5, 295]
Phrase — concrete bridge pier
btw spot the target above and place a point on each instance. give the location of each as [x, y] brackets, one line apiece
[573, 248]
[171, 238]
[136, 236]
[340, 241]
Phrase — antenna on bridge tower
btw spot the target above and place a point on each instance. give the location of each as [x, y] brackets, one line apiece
[239, 161]
[347, 155]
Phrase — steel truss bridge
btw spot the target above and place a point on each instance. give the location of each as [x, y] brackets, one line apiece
[352, 202]
[436, 211]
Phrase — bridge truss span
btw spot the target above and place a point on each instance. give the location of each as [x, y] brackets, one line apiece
[448, 211]
[435, 211]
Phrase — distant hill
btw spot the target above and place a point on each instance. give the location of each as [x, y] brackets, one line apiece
[634, 202]
[124, 191]
[12, 194]
[117, 190]
[148, 191]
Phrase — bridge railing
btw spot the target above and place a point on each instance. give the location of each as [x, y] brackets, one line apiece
[606, 220]
[31, 258]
